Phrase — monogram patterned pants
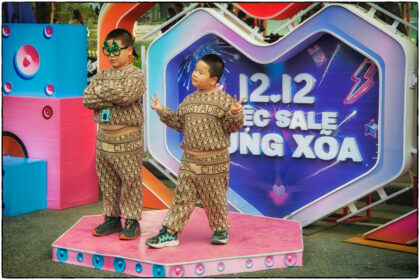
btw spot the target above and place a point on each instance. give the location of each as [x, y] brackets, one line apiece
[205, 178]
[118, 165]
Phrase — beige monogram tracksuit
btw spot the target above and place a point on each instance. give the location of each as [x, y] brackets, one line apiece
[115, 96]
[206, 121]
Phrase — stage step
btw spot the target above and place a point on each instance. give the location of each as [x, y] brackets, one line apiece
[256, 243]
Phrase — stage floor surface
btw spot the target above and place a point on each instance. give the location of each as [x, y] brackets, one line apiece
[255, 243]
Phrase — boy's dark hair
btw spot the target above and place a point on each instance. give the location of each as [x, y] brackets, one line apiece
[216, 65]
[124, 36]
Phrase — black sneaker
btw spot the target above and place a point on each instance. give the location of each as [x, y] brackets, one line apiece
[220, 237]
[110, 225]
[163, 239]
[131, 230]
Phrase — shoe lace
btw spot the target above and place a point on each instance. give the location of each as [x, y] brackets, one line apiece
[107, 219]
[128, 223]
[220, 234]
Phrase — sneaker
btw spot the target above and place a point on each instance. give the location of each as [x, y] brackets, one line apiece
[131, 230]
[220, 237]
[110, 225]
[163, 239]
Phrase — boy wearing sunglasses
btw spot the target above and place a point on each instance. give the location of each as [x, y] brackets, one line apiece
[115, 95]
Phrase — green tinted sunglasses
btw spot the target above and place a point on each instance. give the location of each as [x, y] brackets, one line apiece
[115, 49]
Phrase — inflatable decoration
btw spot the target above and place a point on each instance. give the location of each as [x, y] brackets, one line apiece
[274, 11]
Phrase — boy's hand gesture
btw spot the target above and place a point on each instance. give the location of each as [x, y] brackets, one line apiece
[156, 104]
[236, 107]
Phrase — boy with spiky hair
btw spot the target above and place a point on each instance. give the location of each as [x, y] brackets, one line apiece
[207, 117]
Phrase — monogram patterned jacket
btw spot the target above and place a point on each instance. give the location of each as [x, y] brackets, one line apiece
[120, 91]
[205, 119]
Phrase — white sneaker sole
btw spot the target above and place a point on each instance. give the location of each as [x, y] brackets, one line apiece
[171, 243]
[220, 242]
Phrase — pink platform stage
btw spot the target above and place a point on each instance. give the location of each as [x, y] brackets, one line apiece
[256, 243]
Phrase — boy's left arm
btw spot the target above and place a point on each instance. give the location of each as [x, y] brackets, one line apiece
[129, 89]
[233, 119]
[92, 97]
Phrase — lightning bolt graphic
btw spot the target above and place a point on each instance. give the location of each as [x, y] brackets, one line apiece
[363, 81]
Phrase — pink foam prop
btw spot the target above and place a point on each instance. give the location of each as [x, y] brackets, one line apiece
[65, 138]
[402, 230]
[256, 243]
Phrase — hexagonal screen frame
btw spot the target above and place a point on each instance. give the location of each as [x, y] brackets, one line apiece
[393, 55]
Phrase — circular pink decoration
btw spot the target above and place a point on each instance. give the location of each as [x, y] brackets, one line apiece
[199, 269]
[249, 263]
[48, 32]
[47, 112]
[7, 87]
[27, 60]
[6, 31]
[290, 259]
[269, 261]
[49, 89]
[221, 266]
[177, 271]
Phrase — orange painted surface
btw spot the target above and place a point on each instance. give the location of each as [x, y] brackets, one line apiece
[12, 147]
[155, 194]
[380, 244]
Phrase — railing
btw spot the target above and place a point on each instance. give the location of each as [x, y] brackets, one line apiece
[169, 21]
[288, 23]
[254, 32]
[397, 20]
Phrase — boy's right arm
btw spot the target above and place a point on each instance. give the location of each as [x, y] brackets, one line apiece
[171, 119]
[92, 95]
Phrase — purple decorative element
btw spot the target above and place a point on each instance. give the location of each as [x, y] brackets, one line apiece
[371, 129]
[317, 55]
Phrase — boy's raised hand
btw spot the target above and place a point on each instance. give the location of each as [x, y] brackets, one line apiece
[236, 107]
[156, 104]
